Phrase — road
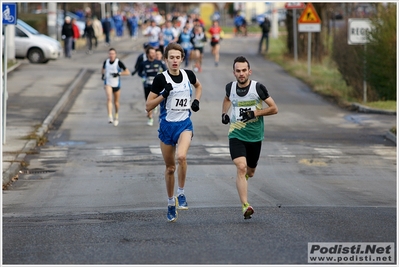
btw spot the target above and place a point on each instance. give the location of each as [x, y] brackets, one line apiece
[95, 193]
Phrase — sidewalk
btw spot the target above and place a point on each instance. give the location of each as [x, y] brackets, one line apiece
[37, 94]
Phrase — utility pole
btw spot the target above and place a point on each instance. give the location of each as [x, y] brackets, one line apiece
[274, 21]
[102, 10]
[52, 20]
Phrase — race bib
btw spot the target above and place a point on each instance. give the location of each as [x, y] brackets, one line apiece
[180, 103]
[149, 80]
[241, 110]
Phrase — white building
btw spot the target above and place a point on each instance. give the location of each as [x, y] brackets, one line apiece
[252, 9]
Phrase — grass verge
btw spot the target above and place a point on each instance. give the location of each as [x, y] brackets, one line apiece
[324, 77]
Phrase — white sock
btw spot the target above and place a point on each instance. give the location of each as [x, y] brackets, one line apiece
[171, 201]
[180, 191]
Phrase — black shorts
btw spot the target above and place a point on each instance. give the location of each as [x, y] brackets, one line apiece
[249, 150]
[200, 49]
[115, 89]
[214, 43]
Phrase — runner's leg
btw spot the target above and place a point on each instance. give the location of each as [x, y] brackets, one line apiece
[241, 182]
[168, 153]
[108, 93]
[182, 149]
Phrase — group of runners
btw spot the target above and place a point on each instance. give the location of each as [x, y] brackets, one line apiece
[192, 36]
[168, 86]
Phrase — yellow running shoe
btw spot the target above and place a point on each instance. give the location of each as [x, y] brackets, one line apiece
[247, 211]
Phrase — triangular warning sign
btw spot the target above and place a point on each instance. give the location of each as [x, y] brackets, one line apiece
[309, 15]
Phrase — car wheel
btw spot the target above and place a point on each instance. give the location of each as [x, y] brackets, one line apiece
[35, 55]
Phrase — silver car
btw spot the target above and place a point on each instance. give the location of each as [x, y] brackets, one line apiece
[37, 47]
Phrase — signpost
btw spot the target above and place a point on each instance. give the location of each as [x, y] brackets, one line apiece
[357, 35]
[9, 12]
[294, 7]
[309, 21]
[358, 30]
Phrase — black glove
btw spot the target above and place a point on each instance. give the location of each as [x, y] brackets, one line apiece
[225, 118]
[134, 72]
[115, 74]
[165, 92]
[248, 115]
[195, 105]
[102, 77]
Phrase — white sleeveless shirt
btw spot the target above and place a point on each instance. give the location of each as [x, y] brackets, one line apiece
[112, 68]
[179, 100]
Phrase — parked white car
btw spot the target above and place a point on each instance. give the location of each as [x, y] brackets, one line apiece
[37, 47]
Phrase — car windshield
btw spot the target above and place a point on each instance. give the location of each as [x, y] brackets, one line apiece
[28, 27]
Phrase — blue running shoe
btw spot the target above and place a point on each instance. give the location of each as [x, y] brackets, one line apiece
[182, 202]
[172, 213]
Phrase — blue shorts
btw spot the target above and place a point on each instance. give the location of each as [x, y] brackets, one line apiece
[169, 132]
[154, 44]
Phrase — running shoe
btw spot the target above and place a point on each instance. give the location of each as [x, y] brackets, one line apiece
[116, 122]
[110, 120]
[247, 211]
[150, 122]
[172, 212]
[182, 202]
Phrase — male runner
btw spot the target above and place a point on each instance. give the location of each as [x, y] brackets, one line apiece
[172, 90]
[245, 97]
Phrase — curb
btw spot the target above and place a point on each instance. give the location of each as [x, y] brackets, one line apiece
[13, 67]
[15, 166]
[365, 109]
[360, 108]
[390, 136]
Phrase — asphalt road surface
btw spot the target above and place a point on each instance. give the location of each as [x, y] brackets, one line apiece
[95, 193]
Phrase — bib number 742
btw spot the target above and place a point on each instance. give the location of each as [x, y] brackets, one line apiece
[182, 102]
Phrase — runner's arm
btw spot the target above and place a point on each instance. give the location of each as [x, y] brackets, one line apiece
[194, 81]
[226, 100]
[103, 68]
[124, 71]
[154, 98]
[140, 69]
[198, 90]
[271, 108]
[226, 105]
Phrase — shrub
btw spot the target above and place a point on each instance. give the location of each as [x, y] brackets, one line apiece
[350, 63]
[381, 54]
[37, 21]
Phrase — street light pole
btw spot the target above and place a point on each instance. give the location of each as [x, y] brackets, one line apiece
[52, 20]
[4, 93]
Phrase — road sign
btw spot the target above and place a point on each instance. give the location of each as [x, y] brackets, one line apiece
[9, 13]
[294, 5]
[309, 21]
[357, 35]
[309, 15]
[357, 31]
